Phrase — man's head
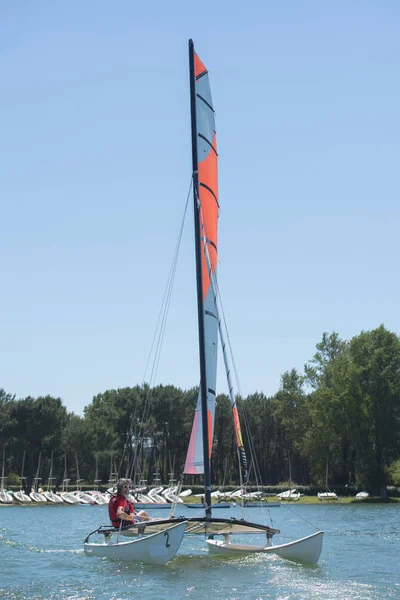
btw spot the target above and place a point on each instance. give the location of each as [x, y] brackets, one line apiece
[122, 488]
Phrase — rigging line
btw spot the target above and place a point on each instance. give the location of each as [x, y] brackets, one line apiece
[300, 516]
[165, 303]
[242, 460]
[257, 472]
[217, 294]
[163, 315]
[158, 337]
[245, 419]
[128, 440]
[161, 325]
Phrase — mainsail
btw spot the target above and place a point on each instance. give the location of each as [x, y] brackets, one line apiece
[205, 184]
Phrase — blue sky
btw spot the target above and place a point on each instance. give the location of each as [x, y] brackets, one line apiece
[95, 167]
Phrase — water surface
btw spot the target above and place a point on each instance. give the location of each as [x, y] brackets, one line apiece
[41, 558]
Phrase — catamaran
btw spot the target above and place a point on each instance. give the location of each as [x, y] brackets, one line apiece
[210, 330]
[206, 208]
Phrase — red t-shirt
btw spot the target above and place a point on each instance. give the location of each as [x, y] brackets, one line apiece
[113, 506]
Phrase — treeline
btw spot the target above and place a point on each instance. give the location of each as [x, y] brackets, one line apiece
[339, 418]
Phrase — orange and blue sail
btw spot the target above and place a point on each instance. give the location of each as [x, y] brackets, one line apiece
[206, 182]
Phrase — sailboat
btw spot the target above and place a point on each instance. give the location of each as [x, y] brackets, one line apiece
[5, 497]
[206, 208]
[20, 496]
[49, 494]
[35, 495]
[78, 493]
[327, 495]
[65, 495]
[291, 494]
[98, 496]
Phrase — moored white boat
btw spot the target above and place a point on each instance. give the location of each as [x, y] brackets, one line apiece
[52, 497]
[292, 495]
[155, 495]
[5, 497]
[21, 497]
[155, 549]
[327, 496]
[82, 497]
[38, 497]
[35, 494]
[362, 495]
[101, 499]
[69, 498]
[173, 498]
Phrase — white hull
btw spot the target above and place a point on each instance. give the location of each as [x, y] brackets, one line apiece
[5, 497]
[82, 497]
[155, 549]
[173, 499]
[327, 496]
[101, 499]
[36, 497]
[21, 497]
[292, 495]
[362, 495]
[52, 497]
[69, 498]
[156, 496]
[306, 549]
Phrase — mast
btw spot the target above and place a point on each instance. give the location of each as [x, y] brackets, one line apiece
[200, 304]
[2, 469]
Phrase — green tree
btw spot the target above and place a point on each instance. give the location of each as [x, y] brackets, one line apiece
[290, 414]
[327, 437]
[7, 422]
[38, 425]
[375, 390]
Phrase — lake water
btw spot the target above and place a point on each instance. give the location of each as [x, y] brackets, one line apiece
[41, 558]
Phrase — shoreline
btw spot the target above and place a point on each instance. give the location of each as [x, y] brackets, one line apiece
[302, 501]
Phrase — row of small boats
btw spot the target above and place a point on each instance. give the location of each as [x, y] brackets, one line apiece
[155, 497]
[294, 495]
[50, 497]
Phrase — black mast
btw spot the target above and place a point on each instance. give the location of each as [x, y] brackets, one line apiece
[200, 306]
